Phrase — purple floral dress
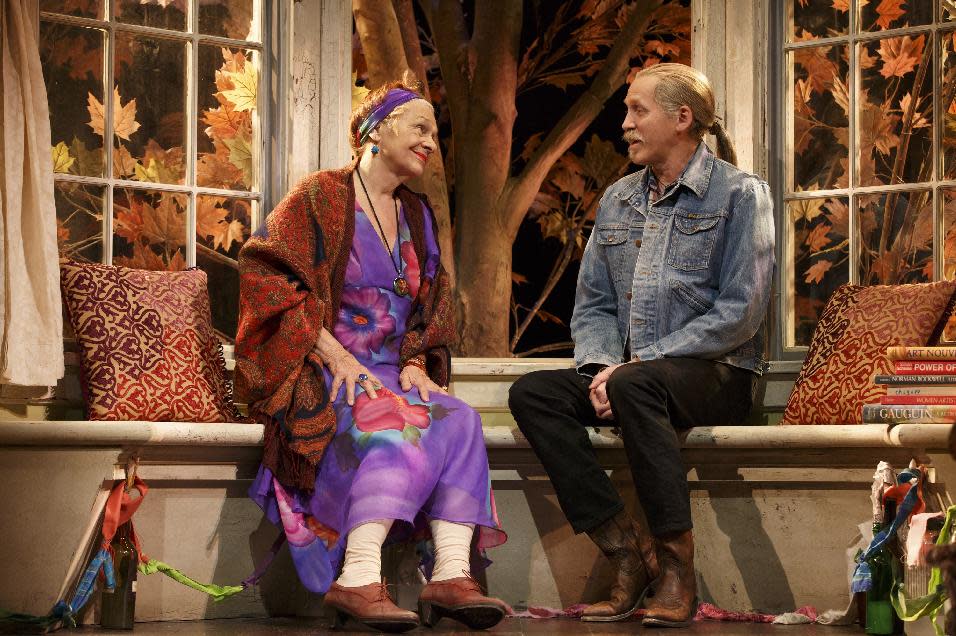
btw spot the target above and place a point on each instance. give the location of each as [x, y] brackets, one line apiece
[394, 457]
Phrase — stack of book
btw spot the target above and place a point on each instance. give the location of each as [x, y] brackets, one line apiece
[922, 389]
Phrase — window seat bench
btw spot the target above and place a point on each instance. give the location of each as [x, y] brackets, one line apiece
[775, 507]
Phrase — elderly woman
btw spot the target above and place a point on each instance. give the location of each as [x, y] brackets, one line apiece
[342, 353]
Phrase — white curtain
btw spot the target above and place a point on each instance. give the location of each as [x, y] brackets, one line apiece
[31, 329]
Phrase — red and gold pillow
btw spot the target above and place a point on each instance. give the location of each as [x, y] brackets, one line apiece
[849, 346]
[147, 348]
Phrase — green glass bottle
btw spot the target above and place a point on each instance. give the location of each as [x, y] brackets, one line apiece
[119, 605]
[881, 618]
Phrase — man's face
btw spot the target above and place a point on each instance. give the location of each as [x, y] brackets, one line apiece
[650, 132]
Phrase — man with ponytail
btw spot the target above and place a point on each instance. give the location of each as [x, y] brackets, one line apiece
[671, 297]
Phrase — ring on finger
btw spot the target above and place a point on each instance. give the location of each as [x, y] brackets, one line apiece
[363, 377]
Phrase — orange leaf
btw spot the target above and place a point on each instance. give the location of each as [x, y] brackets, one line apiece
[123, 163]
[224, 122]
[164, 224]
[213, 171]
[885, 265]
[817, 239]
[210, 217]
[816, 271]
[124, 117]
[900, 55]
[889, 10]
[129, 223]
[143, 258]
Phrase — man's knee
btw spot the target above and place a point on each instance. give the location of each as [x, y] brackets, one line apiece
[526, 389]
[635, 378]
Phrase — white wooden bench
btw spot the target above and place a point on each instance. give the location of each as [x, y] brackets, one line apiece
[775, 507]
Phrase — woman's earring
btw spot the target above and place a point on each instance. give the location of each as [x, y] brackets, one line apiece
[375, 149]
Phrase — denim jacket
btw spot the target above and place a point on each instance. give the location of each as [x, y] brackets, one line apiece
[687, 276]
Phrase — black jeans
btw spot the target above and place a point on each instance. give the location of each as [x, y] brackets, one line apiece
[651, 401]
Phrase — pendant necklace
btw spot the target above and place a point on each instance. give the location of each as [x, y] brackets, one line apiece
[399, 284]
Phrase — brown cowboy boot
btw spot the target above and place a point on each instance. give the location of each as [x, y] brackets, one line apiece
[631, 551]
[675, 597]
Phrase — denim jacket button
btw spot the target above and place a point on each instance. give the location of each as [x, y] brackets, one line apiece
[637, 243]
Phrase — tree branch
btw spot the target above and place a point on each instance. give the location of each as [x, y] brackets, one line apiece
[378, 29]
[520, 190]
[496, 40]
[447, 25]
[409, 32]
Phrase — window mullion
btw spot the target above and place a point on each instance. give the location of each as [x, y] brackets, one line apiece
[853, 143]
[108, 73]
[192, 124]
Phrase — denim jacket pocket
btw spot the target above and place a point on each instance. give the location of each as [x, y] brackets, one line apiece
[692, 239]
[687, 295]
[612, 237]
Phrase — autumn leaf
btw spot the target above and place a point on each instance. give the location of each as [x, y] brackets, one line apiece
[840, 5]
[545, 316]
[569, 180]
[817, 239]
[886, 266]
[61, 158]
[553, 225]
[838, 214]
[145, 258]
[124, 117]
[600, 160]
[62, 234]
[889, 10]
[866, 60]
[877, 127]
[563, 80]
[124, 164]
[518, 279]
[808, 209]
[211, 222]
[358, 92]
[164, 224]
[815, 272]
[128, 222]
[245, 82]
[918, 120]
[213, 171]
[224, 122]
[88, 162]
[801, 96]
[841, 95]
[900, 55]
[240, 155]
[531, 144]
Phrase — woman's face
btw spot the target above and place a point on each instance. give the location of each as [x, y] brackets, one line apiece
[407, 138]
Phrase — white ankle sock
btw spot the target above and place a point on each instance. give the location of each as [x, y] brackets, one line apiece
[363, 554]
[452, 549]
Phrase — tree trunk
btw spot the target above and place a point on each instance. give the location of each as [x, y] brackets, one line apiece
[392, 47]
[484, 261]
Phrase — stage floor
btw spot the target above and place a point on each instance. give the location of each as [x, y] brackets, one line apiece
[511, 626]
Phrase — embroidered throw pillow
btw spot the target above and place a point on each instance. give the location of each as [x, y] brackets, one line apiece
[147, 348]
[849, 346]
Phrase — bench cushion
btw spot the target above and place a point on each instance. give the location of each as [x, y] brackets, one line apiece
[849, 346]
[147, 348]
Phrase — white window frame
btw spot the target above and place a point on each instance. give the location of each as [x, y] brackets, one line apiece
[266, 169]
[782, 107]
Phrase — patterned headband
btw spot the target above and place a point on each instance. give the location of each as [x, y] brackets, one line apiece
[393, 99]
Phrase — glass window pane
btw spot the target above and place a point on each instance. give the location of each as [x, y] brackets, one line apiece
[222, 226]
[814, 19]
[226, 140]
[948, 10]
[149, 229]
[895, 112]
[896, 238]
[879, 15]
[819, 232]
[236, 19]
[819, 139]
[72, 61]
[79, 220]
[149, 109]
[85, 8]
[948, 103]
[949, 252]
[160, 14]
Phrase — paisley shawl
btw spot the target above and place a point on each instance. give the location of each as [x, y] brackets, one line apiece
[291, 274]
